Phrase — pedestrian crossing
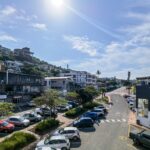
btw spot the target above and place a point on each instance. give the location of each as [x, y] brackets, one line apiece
[113, 121]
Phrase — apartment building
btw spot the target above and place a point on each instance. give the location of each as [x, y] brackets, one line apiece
[5, 51]
[58, 83]
[82, 78]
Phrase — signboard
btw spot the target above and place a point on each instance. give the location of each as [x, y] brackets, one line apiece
[3, 96]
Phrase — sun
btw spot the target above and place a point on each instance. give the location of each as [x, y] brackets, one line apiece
[57, 3]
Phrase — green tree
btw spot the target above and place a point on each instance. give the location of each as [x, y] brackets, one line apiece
[6, 108]
[103, 91]
[98, 73]
[39, 101]
[72, 96]
[87, 94]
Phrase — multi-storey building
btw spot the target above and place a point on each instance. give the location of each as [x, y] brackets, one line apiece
[81, 78]
[5, 51]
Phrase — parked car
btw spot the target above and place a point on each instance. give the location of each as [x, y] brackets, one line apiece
[31, 104]
[92, 115]
[141, 138]
[99, 112]
[59, 141]
[62, 108]
[102, 107]
[46, 148]
[83, 122]
[45, 111]
[32, 116]
[18, 121]
[6, 126]
[71, 133]
[74, 104]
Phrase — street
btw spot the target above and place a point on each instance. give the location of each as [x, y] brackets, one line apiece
[111, 133]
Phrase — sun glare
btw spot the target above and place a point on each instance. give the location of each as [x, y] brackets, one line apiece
[57, 3]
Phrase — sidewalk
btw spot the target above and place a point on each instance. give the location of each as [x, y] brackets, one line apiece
[132, 118]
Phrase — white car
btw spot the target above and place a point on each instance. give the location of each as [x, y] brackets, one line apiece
[59, 141]
[19, 121]
[47, 148]
[71, 133]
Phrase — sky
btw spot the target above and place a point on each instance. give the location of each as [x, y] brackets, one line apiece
[88, 35]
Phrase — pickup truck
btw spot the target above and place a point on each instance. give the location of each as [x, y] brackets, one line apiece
[141, 138]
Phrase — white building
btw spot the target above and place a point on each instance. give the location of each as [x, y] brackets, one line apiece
[14, 65]
[59, 83]
[81, 78]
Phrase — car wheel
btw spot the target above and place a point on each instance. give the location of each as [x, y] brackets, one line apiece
[138, 122]
[64, 148]
[75, 138]
[136, 142]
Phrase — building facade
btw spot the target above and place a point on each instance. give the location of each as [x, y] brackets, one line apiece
[58, 83]
[143, 101]
[81, 78]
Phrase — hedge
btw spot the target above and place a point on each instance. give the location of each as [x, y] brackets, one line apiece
[46, 125]
[75, 112]
[90, 105]
[17, 141]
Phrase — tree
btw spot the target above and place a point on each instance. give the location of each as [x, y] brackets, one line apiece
[103, 91]
[72, 96]
[6, 108]
[39, 101]
[87, 94]
[98, 73]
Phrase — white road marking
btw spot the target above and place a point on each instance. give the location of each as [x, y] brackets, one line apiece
[102, 121]
[124, 120]
[113, 120]
[118, 120]
[107, 121]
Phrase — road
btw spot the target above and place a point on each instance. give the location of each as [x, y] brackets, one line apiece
[111, 133]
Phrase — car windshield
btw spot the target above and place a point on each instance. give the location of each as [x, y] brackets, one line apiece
[21, 119]
[4, 123]
[46, 141]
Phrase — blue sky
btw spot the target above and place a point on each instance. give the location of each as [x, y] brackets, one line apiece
[110, 36]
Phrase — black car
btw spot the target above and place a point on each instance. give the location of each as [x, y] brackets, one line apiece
[92, 115]
[83, 122]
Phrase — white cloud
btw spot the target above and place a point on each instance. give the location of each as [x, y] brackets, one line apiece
[39, 26]
[84, 45]
[5, 37]
[140, 16]
[7, 11]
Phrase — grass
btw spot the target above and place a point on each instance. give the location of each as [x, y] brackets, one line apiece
[17, 141]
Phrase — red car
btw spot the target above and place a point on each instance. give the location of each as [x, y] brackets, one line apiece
[6, 127]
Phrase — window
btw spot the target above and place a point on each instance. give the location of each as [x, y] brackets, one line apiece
[146, 136]
[71, 131]
[61, 141]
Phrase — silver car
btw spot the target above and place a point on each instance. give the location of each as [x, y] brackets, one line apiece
[56, 142]
[71, 133]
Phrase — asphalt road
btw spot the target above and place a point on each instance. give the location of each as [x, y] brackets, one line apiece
[111, 133]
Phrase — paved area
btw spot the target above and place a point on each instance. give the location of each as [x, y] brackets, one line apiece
[111, 133]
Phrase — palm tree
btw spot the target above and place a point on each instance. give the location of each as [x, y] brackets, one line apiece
[98, 73]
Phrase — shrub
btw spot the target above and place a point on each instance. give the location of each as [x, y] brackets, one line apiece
[17, 141]
[75, 112]
[45, 125]
[90, 105]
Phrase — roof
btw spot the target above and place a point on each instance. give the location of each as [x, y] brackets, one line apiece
[60, 137]
[57, 78]
[15, 117]
[143, 78]
[70, 128]
[147, 132]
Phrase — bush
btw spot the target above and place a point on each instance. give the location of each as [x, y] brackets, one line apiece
[46, 125]
[17, 141]
[90, 105]
[74, 112]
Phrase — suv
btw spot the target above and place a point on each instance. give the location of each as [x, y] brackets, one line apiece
[18, 121]
[103, 108]
[83, 122]
[99, 111]
[92, 115]
[33, 117]
[6, 127]
[59, 141]
[45, 111]
[71, 133]
[141, 138]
